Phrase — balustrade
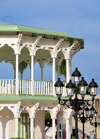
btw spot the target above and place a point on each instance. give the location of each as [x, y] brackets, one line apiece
[43, 87]
[8, 86]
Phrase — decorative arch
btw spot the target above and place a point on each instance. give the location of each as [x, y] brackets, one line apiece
[24, 55]
[8, 107]
[7, 53]
[11, 46]
[60, 57]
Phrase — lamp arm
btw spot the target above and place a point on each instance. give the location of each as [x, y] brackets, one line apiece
[95, 124]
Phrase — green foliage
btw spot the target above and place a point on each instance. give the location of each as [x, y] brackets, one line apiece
[88, 91]
[48, 120]
[22, 66]
[72, 137]
[16, 138]
[80, 42]
[62, 69]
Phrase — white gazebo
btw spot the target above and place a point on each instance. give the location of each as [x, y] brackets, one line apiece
[23, 107]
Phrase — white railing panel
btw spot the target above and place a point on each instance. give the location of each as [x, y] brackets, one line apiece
[43, 87]
[24, 87]
[7, 86]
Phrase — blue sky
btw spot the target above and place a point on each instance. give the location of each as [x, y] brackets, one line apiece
[79, 18]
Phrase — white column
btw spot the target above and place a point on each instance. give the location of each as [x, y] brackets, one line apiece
[42, 73]
[68, 129]
[32, 128]
[53, 128]
[58, 73]
[17, 88]
[16, 127]
[32, 74]
[53, 76]
[57, 127]
[61, 126]
[14, 73]
[67, 70]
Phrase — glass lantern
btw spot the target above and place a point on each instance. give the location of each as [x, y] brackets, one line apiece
[92, 110]
[93, 88]
[87, 111]
[76, 76]
[83, 85]
[59, 87]
[70, 89]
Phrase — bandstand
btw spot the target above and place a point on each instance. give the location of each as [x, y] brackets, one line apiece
[23, 107]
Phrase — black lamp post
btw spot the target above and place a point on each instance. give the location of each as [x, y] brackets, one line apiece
[76, 103]
[95, 123]
[85, 115]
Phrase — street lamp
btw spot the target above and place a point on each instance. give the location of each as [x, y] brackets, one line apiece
[85, 115]
[76, 103]
[95, 123]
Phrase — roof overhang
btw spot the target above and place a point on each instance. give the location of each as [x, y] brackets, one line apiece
[10, 28]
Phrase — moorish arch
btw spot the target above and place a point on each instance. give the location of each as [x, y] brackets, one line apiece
[7, 54]
[42, 56]
[24, 55]
[6, 122]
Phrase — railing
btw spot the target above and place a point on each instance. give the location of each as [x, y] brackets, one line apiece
[7, 86]
[24, 86]
[43, 87]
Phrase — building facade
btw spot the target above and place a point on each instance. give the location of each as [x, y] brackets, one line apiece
[23, 103]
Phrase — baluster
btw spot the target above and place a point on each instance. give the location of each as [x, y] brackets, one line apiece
[39, 88]
[5, 86]
[2, 86]
[8, 86]
[23, 86]
[44, 89]
[48, 88]
[12, 91]
[20, 86]
[27, 87]
[51, 89]
[30, 87]
[34, 87]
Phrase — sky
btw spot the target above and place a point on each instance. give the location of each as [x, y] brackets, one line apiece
[79, 18]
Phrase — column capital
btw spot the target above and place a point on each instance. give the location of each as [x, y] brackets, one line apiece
[66, 52]
[18, 109]
[68, 113]
[54, 111]
[32, 111]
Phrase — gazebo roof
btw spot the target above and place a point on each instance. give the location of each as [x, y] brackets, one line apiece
[4, 26]
[31, 31]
